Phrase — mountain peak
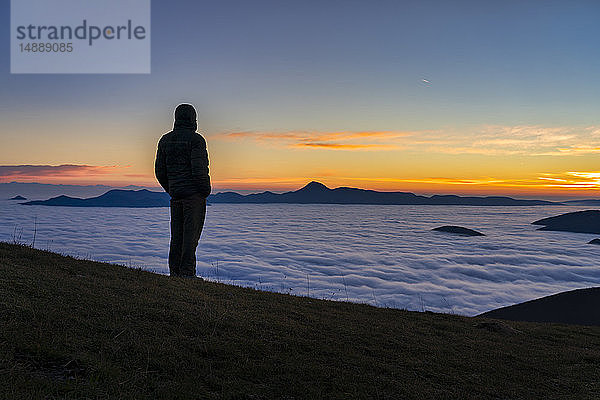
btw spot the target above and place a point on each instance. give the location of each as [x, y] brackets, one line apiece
[315, 186]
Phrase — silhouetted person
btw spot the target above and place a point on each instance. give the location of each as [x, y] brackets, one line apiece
[181, 168]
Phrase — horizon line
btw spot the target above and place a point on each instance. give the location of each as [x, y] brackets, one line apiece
[216, 189]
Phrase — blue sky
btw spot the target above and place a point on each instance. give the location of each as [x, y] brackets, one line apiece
[304, 61]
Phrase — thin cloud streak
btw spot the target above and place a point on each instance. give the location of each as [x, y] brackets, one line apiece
[341, 140]
[314, 135]
[448, 181]
[342, 146]
[574, 179]
[492, 140]
[62, 172]
[569, 179]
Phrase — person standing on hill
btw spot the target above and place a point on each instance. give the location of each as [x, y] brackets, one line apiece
[181, 168]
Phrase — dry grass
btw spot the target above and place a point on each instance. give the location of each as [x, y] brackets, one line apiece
[80, 329]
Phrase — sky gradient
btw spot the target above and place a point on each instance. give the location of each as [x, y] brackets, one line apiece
[429, 97]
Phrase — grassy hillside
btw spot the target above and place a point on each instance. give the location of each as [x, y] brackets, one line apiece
[80, 329]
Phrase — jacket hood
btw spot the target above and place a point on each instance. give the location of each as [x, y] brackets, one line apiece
[185, 117]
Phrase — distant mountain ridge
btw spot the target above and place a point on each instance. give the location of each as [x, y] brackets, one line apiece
[317, 193]
[312, 193]
[113, 198]
[587, 202]
[41, 191]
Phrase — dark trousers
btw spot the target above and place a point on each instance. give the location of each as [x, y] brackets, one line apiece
[187, 221]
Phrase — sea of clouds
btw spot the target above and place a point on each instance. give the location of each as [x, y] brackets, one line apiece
[382, 255]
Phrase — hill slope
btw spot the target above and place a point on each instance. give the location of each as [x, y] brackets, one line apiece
[581, 306]
[579, 221]
[82, 329]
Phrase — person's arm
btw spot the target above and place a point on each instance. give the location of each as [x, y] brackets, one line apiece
[160, 168]
[199, 161]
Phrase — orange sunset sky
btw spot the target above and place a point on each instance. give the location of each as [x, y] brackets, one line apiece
[523, 160]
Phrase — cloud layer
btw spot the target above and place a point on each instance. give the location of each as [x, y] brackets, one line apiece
[383, 255]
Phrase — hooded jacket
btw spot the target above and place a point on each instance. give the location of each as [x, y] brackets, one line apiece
[181, 165]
